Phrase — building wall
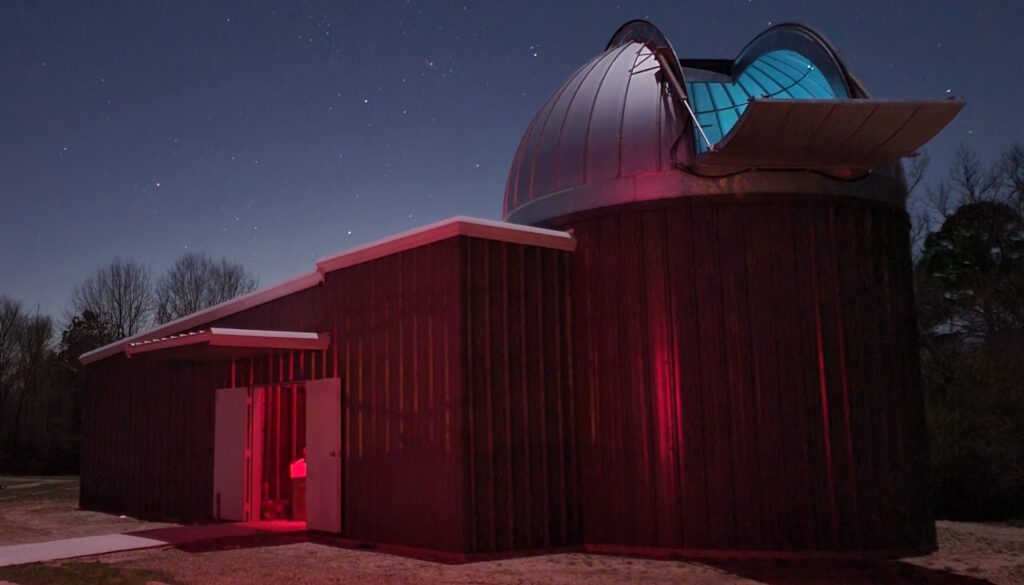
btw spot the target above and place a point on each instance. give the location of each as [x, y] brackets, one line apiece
[147, 444]
[147, 439]
[747, 376]
[421, 390]
[522, 439]
[398, 340]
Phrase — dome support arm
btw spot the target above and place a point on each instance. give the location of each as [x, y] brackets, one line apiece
[677, 89]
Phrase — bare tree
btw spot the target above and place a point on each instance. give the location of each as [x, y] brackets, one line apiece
[915, 170]
[26, 379]
[121, 294]
[967, 181]
[12, 321]
[920, 213]
[34, 373]
[1011, 169]
[195, 282]
[971, 181]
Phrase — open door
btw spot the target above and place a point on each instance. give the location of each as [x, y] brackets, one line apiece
[323, 455]
[237, 460]
[230, 450]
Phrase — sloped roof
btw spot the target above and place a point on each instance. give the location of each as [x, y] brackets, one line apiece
[448, 228]
[221, 342]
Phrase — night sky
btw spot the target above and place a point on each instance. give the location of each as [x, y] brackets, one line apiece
[275, 133]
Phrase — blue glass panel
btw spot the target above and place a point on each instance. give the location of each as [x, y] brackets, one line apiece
[820, 85]
[780, 68]
[725, 107]
[707, 118]
[751, 87]
[771, 86]
[790, 82]
[738, 94]
[784, 61]
[777, 74]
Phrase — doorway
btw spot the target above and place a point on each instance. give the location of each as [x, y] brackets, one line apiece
[277, 454]
[282, 481]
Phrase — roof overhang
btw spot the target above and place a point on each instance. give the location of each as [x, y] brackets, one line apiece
[457, 226]
[219, 343]
[448, 228]
[859, 134]
[210, 314]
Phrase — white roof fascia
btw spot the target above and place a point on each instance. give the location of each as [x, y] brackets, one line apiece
[228, 337]
[449, 228]
[236, 305]
[442, 230]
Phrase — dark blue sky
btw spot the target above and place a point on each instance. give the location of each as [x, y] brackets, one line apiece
[274, 133]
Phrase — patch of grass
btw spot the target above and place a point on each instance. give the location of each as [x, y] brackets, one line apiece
[78, 573]
[33, 489]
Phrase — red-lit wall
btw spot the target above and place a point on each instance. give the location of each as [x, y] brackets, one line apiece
[425, 431]
[703, 374]
[747, 377]
[523, 474]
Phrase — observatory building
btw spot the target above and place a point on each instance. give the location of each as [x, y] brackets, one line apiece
[692, 334]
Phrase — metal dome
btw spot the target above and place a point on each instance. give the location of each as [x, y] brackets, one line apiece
[609, 119]
[621, 128]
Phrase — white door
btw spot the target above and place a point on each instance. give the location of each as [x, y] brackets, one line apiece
[323, 455]
[230, 442]
[254, 453]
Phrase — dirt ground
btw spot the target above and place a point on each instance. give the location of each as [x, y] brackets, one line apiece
[969, 554]
[987, 551]
[35, 509]
[310, 564]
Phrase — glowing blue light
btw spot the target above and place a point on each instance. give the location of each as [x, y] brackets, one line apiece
[776, 74]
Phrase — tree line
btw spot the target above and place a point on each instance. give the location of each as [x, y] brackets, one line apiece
[41, 379]
[969, 285]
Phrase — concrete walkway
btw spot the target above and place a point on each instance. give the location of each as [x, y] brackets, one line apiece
[36, 552]
[185, 537]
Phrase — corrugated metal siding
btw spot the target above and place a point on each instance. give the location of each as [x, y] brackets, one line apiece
[401, 333]
[520, 398]
[147, 444]
[148, 440]
[399, 343]
[396, 327]
[748, 376]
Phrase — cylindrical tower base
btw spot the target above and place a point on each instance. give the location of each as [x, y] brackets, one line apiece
[747, 376]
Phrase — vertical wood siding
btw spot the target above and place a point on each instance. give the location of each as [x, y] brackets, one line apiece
[520, 397]
[402, 336]
[747, 377]
[398, 338]
[147, 445]
[702, 374]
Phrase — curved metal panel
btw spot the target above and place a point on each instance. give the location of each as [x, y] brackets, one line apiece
[604, 138]
[642, 31]
[640, 128]
[543, 168]
[609, 119]
[830, 134]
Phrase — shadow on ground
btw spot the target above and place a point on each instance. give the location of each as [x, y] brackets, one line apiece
[213, 537]
[768, 571]
[845, 572]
